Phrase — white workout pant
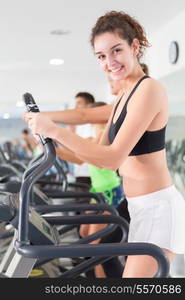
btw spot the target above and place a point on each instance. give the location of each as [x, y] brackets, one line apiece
[158, 218]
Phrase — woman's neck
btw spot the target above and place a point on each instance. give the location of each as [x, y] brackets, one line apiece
[132, 79]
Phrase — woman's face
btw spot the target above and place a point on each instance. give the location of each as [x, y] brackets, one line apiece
[116, 56]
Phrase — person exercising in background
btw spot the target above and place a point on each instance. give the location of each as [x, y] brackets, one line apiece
[109, 184]
[91, 111]
[83, 100]
[102, 180]
[133, 142]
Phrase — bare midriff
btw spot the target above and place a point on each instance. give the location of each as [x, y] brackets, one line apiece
[144, 174]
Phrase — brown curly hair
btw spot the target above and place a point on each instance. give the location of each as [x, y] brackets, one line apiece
[124, 25]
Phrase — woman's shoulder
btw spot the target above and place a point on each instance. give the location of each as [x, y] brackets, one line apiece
[150, 93]
[153, 89]
[153, 83]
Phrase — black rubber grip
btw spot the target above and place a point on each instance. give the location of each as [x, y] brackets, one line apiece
[31, 106]
[30, 103]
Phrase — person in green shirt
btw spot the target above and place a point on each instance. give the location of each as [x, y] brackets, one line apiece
[103, 181]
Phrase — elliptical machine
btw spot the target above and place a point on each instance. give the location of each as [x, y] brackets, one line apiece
[25, 253]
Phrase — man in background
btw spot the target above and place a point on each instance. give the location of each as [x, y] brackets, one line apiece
[83, 100]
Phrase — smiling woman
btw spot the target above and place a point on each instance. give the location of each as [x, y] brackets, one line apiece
[133, 141]
[122, 38]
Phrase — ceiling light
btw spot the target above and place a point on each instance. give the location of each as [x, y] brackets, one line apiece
[56, 61]
[6, 116]
[59, 32]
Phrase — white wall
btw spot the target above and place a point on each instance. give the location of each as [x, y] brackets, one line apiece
[157, 56]
[52, 90]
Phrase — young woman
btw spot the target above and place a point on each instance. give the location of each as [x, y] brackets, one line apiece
[133, 142]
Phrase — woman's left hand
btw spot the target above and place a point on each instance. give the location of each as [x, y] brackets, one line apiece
[39, 124]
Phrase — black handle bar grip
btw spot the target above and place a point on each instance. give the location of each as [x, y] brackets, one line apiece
[30, 103]
[31, 106]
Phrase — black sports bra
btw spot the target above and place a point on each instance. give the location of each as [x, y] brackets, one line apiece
[151, 141]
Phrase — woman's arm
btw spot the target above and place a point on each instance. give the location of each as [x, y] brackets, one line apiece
[81, 115]
[68, 155]
[145, 104]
